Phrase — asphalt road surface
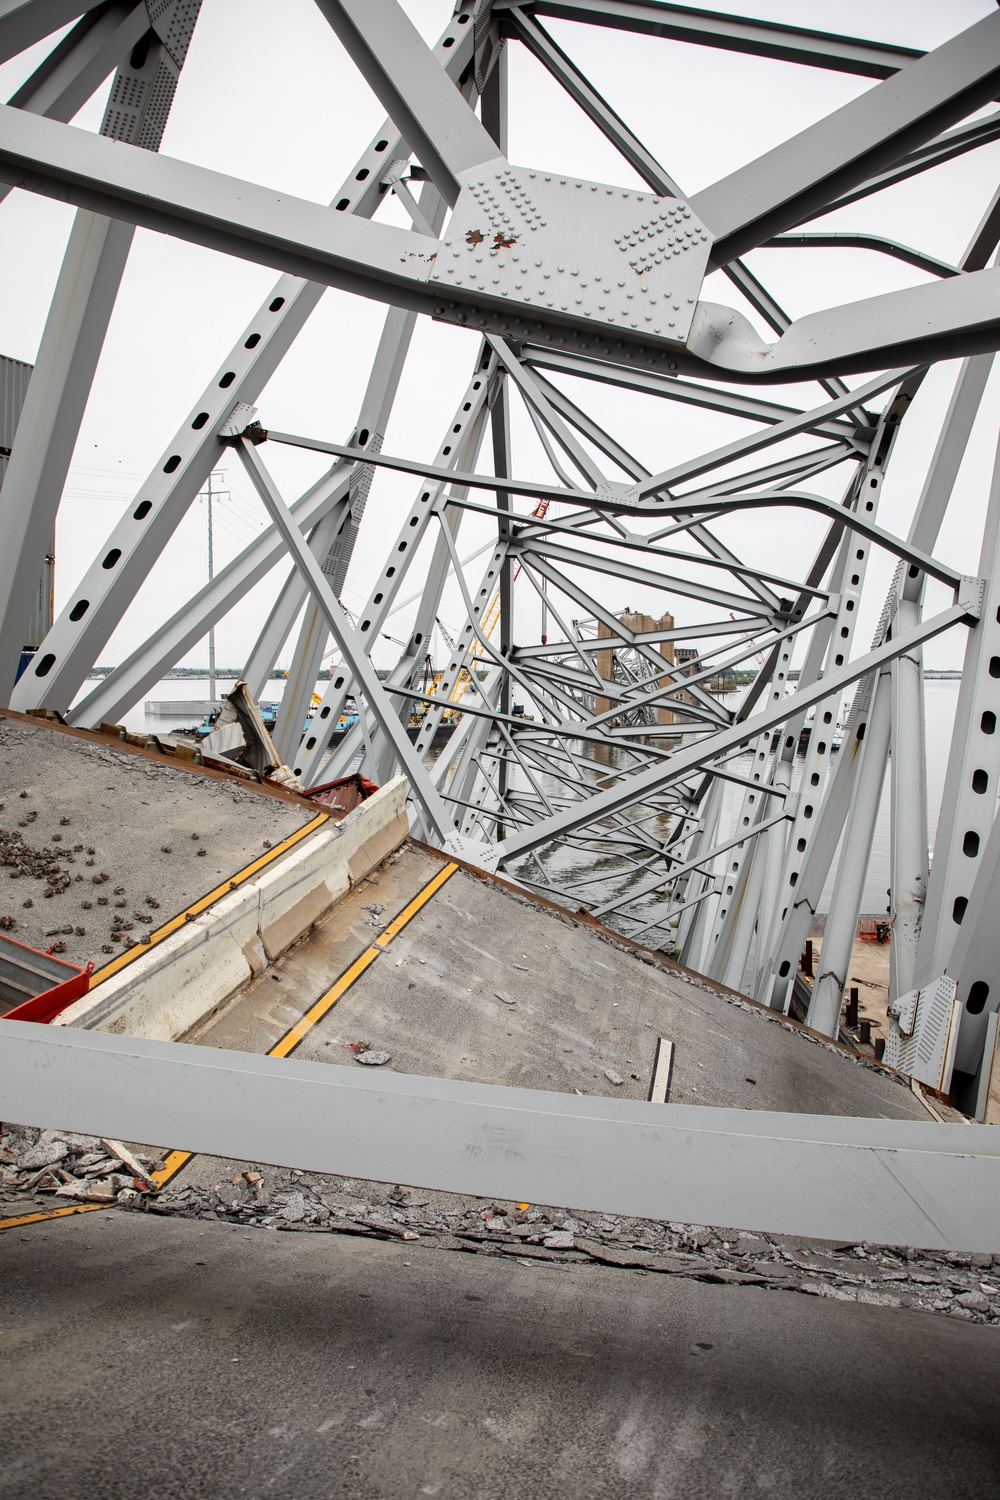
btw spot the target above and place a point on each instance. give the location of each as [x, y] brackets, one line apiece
[174, 1359]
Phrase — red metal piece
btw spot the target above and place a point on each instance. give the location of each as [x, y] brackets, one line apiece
[343, 795]
[56, 983]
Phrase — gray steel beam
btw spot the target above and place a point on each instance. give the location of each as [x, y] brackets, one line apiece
[78, 65]
[909, 861]
[111, 582]
[42, 450]
[845, 904]
[852, 240]
[122, 688]
[970, 787]
[945, 320]
[974, 964]
[671, 388]
[227, 214]
[899, 1182]
[414, 91]
[108, 587]
[944, 148]
[277, 627]
[352, 645]
[707, 28]
[624, 501]
[337, 545]
[71, 344]
[581, 90]
[25, 22]
[469, 420]
[307, 657]
[803, 175]
[635, 153]
[908, 824]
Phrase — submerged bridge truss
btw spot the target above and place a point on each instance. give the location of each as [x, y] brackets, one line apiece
[712, 836]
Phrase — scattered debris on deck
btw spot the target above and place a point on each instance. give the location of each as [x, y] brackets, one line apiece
[42, 1169]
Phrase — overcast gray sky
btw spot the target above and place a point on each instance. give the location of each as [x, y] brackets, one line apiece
[268, 94]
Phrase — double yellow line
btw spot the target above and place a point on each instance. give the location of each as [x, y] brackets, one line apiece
[285, 1045]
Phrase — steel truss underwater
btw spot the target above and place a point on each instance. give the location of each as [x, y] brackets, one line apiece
[705, 837]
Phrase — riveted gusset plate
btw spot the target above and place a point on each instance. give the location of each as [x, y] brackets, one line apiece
[625, 259]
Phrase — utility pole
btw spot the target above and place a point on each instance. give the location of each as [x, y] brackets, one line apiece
[209, 493]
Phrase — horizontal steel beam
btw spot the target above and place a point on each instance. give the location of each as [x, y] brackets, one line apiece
[707, 28]
[886, 1181]
[618, 503]
[950, 318]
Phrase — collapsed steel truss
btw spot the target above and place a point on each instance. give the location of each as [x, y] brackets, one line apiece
[636, 792]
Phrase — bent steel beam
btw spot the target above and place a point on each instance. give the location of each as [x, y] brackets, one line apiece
[897, 1182]
[956, 317]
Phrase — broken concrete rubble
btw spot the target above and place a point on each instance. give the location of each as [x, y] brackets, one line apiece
[79, 1167]
[302, 1202]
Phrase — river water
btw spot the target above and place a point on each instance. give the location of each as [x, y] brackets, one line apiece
[941, 698]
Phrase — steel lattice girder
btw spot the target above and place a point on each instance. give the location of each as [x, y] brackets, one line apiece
[512, 789]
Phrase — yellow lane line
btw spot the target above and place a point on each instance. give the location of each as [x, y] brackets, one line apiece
[204, 902]
[285, 1045]
[396, 926]
[295, 1034]
[171, 1166]
[51, 1213]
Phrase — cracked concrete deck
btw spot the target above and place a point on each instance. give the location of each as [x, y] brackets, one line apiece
[583, 1005]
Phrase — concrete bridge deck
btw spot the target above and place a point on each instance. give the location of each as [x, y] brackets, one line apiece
[584, 1005]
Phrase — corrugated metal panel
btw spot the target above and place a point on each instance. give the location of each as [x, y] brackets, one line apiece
[14, 377]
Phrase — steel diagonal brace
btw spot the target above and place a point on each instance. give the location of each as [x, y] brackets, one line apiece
[800, 177]
[648, 169]
[74, 640]
[123, 687]
[351, 644]
[624, 499]
[708, 28]
[478, 277]
[25, 22]
[77, 67]
[647, 888]
[434, 118]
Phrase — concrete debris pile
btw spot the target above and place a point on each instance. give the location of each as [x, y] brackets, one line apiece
[960, 1285]
[38, 1168]
[81, 1168]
